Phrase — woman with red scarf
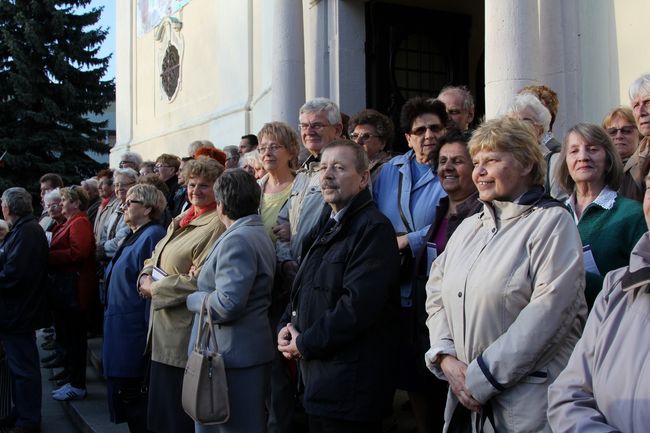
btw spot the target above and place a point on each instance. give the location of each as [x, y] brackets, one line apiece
[168, 277]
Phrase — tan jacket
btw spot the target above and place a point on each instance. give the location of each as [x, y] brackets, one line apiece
[506, 297]
[634, 172]
[170, 322]
[606, 385]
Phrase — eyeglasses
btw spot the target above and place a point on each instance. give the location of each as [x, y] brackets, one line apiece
[123, 163]
[625, 130]
[272, 148]
[421, 130]
[454, 112]
[52, 206]
[361, 137]
[314, 126]
[157, 167]
[129, 202]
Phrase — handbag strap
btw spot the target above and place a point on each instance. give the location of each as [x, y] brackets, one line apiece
[204, 328]
[399, 206]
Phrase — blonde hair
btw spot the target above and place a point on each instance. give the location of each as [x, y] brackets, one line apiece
[151, 197]
[204, 167]
[284, 135]
[514, 136]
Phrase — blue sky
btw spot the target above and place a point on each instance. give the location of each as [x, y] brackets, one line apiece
[107, 21]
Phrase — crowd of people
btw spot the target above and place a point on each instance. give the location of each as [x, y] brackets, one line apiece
[497, 275]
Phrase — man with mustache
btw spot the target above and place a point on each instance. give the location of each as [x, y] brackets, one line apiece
[341, 322]
[636, 168]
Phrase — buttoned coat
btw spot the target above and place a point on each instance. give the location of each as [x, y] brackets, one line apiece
[506, 297]
[181, 250]
[604, 388]
[237, 277]
[344, 303]
[126, 314]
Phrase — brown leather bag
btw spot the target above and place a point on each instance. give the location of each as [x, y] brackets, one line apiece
[205, 390]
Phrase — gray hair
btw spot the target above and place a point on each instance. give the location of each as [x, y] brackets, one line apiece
[197, 144]
[54, 195]
[317, 105]
[92, 183]
[18, 201]
[231, 151]
[640, 86]
[465, 94]
[128, 172]
[132, 157]
[528, 100]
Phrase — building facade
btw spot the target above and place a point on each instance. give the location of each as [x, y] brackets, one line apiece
[219, 69]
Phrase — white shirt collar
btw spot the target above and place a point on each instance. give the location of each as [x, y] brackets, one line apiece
[605, 200]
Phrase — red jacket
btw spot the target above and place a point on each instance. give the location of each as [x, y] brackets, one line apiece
[73, 249]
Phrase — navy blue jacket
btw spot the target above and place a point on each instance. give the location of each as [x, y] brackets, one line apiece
[344, 302]
[23, 278]
[126, 315]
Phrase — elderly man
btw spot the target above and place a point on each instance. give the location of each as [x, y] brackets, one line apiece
[341, 323]
[320, 123]
[526, 107]
[92, 188]
[460, 106]
[167, 170]
[636, 168]
[23, 278]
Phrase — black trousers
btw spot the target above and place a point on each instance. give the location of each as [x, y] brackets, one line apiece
[73, 328]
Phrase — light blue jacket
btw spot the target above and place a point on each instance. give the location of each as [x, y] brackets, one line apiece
[418, 202]
[238, 278]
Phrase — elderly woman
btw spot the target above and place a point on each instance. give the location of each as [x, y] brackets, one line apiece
[125, 317]
[373, 131]
[107, 204]
[407, 192]
[236, 279]
[72, 260]
[528, 108]
[279, 147]
[621, 128]
[454, 166]
[116, 228]
[604, 386]
[52, 204]
[168, 277]
[504, 273]
[253, 164]
[609, 224]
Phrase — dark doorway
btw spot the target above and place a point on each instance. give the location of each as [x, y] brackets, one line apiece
[410, 52]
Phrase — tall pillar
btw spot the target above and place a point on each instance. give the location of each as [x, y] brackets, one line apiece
[288, 72]
[124, 70]
[317, 41]
[511, 51]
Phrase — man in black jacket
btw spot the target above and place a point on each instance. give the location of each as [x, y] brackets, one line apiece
[23, 273]
[341, 321]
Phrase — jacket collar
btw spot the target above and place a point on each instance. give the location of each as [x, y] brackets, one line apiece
[358, 203]
[638, 273]
[506, 210]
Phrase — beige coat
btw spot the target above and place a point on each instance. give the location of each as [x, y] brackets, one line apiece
[606, 385]
[170, 322]
[634, 172]
[506, 297]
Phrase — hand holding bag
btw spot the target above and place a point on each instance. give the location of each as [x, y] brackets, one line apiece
[205, 390]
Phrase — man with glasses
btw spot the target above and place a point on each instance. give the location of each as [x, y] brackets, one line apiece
[460, 106]
[407, 191]
[49, 182]
[167, 170]
[131, 160]
[320, 123]
[636, 168]
[373, 131]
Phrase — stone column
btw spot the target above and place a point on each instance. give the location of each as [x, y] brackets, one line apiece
[317, 41]
[288, 73]
[511, 51]
[124, 70]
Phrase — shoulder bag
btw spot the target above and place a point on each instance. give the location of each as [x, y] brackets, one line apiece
[205, 390]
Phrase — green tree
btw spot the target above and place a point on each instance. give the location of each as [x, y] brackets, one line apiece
[51, 79]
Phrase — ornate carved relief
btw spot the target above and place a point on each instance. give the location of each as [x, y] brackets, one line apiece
[170, 47]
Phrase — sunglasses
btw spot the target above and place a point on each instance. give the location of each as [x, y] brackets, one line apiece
[421, 130]
[625, 130]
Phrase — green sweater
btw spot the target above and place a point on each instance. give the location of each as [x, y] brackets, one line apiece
[612, 234]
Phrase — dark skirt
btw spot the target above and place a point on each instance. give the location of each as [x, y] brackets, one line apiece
[165, 412]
